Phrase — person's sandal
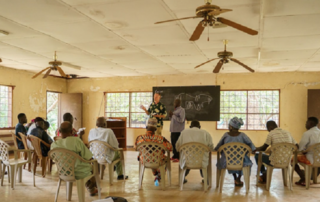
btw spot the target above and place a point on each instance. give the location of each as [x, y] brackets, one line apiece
[94, 192]
[301, 183]
[238, 184]
[261, 180]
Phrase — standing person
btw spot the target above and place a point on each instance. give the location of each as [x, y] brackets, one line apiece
[102, 133]
[195, 134]
[177, 125]
[68, 117]
[150, 136]
[276, 135]
[157, 110]
[22, 118]
[81, 169]
[309, 138]
[235, 136]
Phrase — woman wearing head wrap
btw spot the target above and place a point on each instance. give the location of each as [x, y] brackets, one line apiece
[235, 136]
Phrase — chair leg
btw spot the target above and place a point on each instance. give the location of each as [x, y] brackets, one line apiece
[69, 190]
[182, 176]
[13, 171]
[20, 174]
[98, 184]
[101, 171]
[222, 175]
[315, 175]
[269, 177]
[123, 169]
[81, 190]
[44, 166]
[205, 177]
[4, 170]
[284, 176]
[141, 172]
[163, 177]
[218, 176]
[308, 172]
[290, 177]
[58, 188]
[110, 173]
[246, 175]
[35, 162]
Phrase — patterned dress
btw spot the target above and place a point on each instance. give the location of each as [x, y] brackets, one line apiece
[152, 137]
[158, 109]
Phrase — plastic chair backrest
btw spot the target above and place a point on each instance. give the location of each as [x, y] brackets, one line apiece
[235, 153]
[14, 137]
[24, 140]
[35, 141]
[315, 149]
[4, 151]
[100, 149]
[65, 161]
[152, 154]
[281, 154]
[193, 153]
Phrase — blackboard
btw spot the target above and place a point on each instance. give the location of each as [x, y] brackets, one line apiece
[200, 102]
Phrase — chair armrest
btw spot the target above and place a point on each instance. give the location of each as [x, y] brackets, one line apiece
[120, 149]
[46, 144]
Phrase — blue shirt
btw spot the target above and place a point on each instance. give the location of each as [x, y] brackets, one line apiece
[178, 118]
[43, 135]
[20, 129]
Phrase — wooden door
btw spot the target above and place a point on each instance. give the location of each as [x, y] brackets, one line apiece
[314, 103]
[72, 103]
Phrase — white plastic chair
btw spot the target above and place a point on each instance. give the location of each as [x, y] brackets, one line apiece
[235, 153]
[65, 161]
[281, 155]
[151, 154]
[316, 164]
[193, 154]
[13, 164]
[100, 150]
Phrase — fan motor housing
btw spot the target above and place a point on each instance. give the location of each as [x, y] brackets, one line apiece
[202, 11]
[55, 63]
[225, 54]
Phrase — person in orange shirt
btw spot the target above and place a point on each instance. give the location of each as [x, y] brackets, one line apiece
[68, 117]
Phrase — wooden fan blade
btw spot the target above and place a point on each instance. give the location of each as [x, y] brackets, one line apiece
[237, 26]
[40, 72]
[205, 62]
[176, 19]
[217, 12]
[243, 65]
[47, 74]
[197, 32]
[61, 72]
[0, 60]
[218, 67]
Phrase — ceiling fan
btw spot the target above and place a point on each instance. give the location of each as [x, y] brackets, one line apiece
[225, 57]
[54, 66]
[209, 12]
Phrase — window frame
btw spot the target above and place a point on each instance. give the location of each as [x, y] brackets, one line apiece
[129, 118]
[247, 107]
[12, 127]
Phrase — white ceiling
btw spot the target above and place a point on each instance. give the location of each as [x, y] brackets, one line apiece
[119, 38]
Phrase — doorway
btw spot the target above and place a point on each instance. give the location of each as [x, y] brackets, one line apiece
[53, 111]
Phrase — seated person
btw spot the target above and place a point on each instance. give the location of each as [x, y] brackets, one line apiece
[276, 135]
[195, 134]
[76, 145]
[105, 134]
[42, 134]
[235, 136]
[150, 136]
[22, 118]
[309, 138]
[69, 117]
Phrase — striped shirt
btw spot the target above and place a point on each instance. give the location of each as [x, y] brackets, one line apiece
[279, 136]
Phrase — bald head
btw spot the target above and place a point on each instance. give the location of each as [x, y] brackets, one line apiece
[65, 129]
[101, 122]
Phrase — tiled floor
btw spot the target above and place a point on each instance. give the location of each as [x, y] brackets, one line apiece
[193, 191]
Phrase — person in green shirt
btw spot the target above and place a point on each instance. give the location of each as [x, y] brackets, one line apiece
[76, 145]
[157, 110]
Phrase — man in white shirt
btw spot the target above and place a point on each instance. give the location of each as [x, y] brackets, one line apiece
[276, 135]
[195, 134]
[105, 134]
[309, 138]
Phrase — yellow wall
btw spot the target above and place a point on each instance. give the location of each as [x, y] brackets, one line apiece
[29, 95]
[293, 96]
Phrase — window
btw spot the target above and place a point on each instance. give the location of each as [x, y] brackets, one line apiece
[6, 106]
[254, 107]
[128, 105]
[52, 111]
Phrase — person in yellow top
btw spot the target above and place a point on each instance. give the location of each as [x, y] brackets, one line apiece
[76, 145]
